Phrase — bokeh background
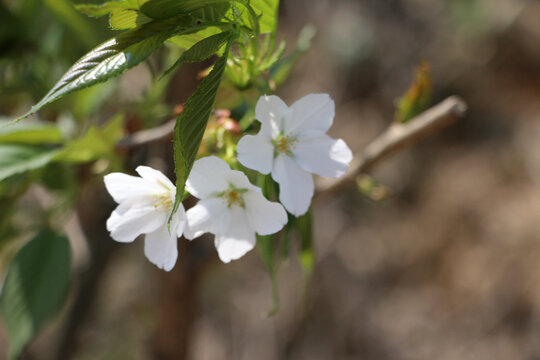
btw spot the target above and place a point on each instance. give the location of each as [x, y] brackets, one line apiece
[446, 267]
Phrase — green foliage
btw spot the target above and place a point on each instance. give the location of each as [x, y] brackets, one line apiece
[267, 11]
[202, 50]
[75, 21]
[191, 123]
[19, 158]
[35, 288]
[95, 144]
[164, 9]
[123, 14]
[188, 40]
[110, 59]
[31, 133]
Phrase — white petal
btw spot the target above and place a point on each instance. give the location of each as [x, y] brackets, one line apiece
[209, 215]
[264, 216]
[312, 112]
[207, 177]
[256, 152]
[125, 224]
[239, 180]
[124, 187]
[270, 111]
[238, 240]
[295, 185]
[318, 153]
[155, 176]
[160, 247]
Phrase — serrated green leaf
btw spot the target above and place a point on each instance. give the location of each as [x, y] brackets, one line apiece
[191, 123]
[35, 289]
[18, 158]
[202, 50]
[30, 133]
[110, 59]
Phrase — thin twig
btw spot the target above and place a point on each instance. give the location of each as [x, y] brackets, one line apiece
[396, 137]
[144, 137]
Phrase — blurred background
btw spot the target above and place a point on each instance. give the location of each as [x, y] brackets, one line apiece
[446, 267]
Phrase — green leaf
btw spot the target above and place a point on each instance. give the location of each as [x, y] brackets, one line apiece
[202, 50]
[18, 158]
[191, 123]
[188, 40]
[267, 10]
[30, 133]
[95, 144]
[110, 59]
[35, 289]
[98, 10]
[163, 9]
[123, 14]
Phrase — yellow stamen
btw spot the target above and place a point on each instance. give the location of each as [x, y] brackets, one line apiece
[163, 202]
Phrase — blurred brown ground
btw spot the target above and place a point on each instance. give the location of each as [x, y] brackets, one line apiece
[446, 268]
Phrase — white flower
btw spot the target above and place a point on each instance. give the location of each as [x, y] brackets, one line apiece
[145, 204]
[292, 144]
[231, 208]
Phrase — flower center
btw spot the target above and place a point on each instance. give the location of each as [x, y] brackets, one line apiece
[233, 196]
[163, 202]
[284, 144]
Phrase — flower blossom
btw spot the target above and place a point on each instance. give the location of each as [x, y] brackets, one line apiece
[145, 205]
[292, 144]
[230, 207]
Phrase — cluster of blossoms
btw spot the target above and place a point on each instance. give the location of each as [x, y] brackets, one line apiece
[291, 145]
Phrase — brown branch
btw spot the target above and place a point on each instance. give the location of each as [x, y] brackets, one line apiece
[144, 137]
[397, 136]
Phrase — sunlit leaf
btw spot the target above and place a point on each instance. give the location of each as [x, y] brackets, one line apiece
[123, 14]
[30, 133]
[202, 50]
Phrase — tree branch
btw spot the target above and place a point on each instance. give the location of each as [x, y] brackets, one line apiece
[397, 136]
